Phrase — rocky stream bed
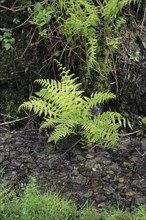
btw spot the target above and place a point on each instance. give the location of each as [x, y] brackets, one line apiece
[102, 176]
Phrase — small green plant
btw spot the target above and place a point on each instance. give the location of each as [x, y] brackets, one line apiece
[113, 43]
[16, 21]
[7, 39]
[142, 123]
[68, 112]
[113, 7]
[33, 205]
[139, 213]
[41, 15]
[134, 56]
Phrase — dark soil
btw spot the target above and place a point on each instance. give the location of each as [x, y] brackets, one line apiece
[102, 176]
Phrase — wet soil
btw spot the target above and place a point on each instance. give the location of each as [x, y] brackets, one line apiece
[101, 176]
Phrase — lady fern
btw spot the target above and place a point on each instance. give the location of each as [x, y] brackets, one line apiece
[67, 111]
[112, 7]
[78, 20]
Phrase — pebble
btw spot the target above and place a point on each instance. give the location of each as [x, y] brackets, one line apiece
[89, 156]
[85, 194]
[81, 180]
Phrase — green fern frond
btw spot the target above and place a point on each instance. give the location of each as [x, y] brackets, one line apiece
[79, 20]
[59, 132]
[100, 98]
[66, 110]
[63, 129]
[36, 105]
[92, 53]
[102, 129]
[112, 7]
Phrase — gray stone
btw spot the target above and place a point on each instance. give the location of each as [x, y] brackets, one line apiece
[80, 158]
[1, 158]
[140, 200]
[114, 167]
[31, 166]
[6, 163]
[97, 160]
[62, 174]
[87, 194]
[75, 172]
[80, 180]
[108, 190]
[90, 155]
[106, 161]
[100, 198]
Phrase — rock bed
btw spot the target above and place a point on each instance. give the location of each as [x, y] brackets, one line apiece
[102, 176]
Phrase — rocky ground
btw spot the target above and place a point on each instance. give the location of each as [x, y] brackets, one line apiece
[102, 176]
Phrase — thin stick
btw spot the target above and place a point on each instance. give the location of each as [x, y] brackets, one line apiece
[13, 121]
[141, 153]
[128, 134]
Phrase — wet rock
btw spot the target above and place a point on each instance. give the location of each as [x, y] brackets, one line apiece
[62, 175]
[31, 165]
[81, 180]
[1, 158]
[140, 199]
[101, 205]
[114, 167]
[108, 190]
[90, 155]
[99, 198]
[85, 194]
[106, 161]
[75, 172]
[80, 158]
[103, 176]
[6, 163]
[91, 162]
[110, 172]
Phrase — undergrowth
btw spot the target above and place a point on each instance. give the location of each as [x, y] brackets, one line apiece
[93, 28]
[90, 30]
[32, 204]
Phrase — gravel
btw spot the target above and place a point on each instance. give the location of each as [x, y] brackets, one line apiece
[103, 176]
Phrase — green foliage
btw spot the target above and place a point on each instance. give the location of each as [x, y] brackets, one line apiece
[67, 111]
[88, 27]
[139, 213]
[6, 39]
[16, 21]
[113, 43]
[112, 7]
[78, 20]
[134, 56]
[118, 214]
[41, 15]
[31, 204]
[142, 123]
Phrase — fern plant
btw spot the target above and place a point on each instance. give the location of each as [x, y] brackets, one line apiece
[112, 7]
[79, 20]
[88, 29]
[67, 111]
